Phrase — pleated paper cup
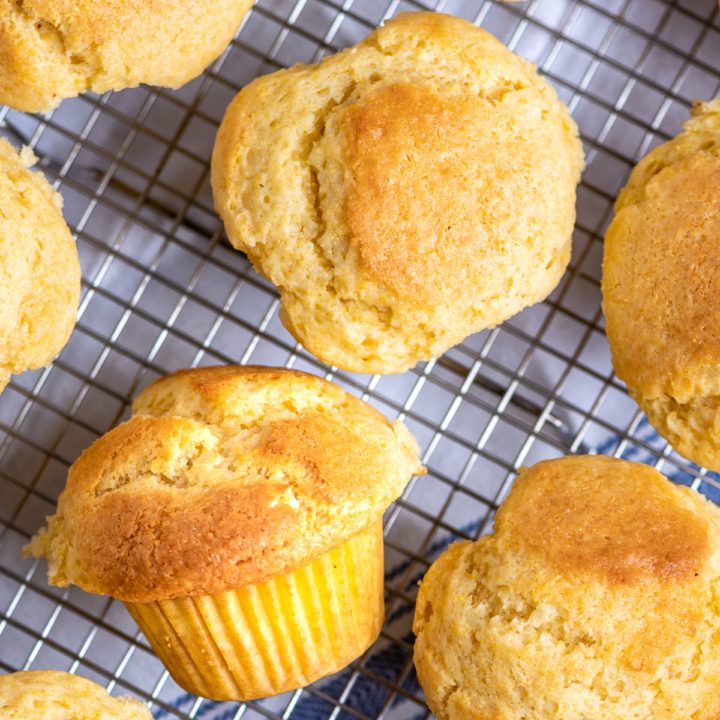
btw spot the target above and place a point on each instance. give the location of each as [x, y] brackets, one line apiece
[275, 636]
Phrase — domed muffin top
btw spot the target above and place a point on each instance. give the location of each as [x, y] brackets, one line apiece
[402, 194]
[223, 477]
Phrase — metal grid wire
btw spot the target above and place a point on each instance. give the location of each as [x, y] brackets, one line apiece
[163, 290]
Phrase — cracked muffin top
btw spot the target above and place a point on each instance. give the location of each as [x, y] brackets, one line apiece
[54, 695]
[661, 286]
[39, 267]
[223, 477]
[402, 194]
[55, 49]
[597, 596]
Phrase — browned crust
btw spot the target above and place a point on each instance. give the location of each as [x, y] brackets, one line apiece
[223, 478]
[613, 519]
[420, 210]
[662, 282]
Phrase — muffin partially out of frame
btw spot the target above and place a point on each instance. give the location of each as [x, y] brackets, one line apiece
[238, 515]
[402, 194]
[39, 268]
[661, 287]
[54, 695]
[597, 596]
[56, 49]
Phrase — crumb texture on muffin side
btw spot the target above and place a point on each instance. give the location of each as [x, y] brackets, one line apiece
[403, 193]
[661, 287]
[39, 268]
[55, 695]
[223, 477]
[55, 49]
[597, 596]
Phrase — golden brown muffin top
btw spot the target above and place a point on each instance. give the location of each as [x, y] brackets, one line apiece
[54, 695]
[596, 596]
[661, 278]
[413, 211]
[223, 477]
[403, 193]
[619, 521]
[39, 267]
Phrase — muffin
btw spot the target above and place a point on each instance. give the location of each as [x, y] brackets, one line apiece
[39, 268]
[661, 287]
[402, 194]
[53, 695]
[597, 596]
[56, 49]
[238, 515]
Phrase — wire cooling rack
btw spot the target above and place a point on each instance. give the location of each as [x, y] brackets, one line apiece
[163, 290]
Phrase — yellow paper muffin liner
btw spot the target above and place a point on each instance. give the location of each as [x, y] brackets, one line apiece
[275, 636]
